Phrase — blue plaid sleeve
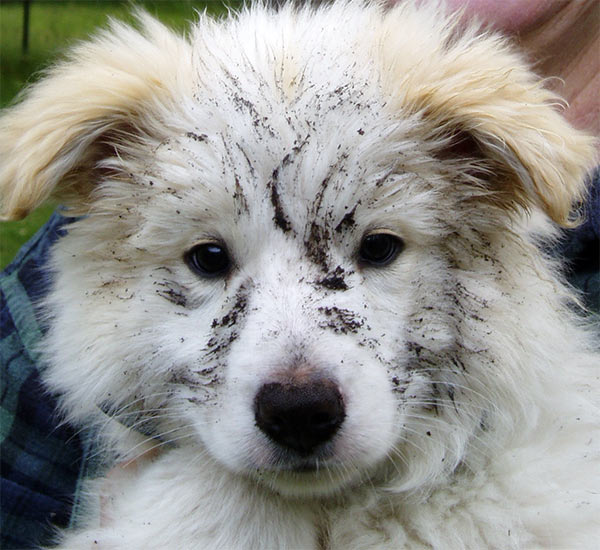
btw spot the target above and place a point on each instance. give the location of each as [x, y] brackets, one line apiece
[581, 250]
[41, 459]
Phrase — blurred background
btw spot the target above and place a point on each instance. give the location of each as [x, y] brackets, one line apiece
[34, 33]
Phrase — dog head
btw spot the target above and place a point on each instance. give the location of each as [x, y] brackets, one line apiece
[299, 236]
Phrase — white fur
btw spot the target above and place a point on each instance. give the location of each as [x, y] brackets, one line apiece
[471, 388]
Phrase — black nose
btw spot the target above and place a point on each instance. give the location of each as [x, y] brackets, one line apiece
[299, 416]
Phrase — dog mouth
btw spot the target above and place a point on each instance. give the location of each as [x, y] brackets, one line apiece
[283, 461]
[306, 467]
[308, 477]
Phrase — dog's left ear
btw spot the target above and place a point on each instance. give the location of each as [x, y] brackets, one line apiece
[480, 103]
[103, 96]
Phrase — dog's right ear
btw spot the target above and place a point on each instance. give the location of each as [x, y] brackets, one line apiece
[491, 120]
[52, 141]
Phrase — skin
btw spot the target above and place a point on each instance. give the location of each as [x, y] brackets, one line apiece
[561, 38]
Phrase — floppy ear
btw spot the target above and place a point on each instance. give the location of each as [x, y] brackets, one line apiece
[478, 100]
[52, 141]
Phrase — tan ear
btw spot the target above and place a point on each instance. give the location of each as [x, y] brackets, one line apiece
[471, 87]
[51, 142]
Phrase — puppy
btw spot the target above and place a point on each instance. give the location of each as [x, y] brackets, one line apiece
[308, 278]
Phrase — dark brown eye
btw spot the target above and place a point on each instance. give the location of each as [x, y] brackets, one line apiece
[208, 259]
[379, 249]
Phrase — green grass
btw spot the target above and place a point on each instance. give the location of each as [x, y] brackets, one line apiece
[54, 26]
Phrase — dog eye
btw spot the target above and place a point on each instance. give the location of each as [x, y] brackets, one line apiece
[208, 259]
[380, 249]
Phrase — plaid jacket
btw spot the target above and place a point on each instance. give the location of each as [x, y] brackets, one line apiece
[44, 462]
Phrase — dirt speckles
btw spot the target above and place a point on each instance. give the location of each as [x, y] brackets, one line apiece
[341, 320]
[249, 163]
[226, 328]
[242, 104]
[279, 216]
[334, 280]
[347, 222]
[172, 291]
[399, 386]
[225, 332]
[414, 348]
[200, 382]
[239, 198]
[318, 235]
[316, 245]
[196, 137]
[231, 317]
[183, 378]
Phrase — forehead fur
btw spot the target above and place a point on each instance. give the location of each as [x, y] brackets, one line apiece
[271, 79]
[260, 126]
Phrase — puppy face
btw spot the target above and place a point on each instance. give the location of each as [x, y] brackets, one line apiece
[264, 257]
[293, 257]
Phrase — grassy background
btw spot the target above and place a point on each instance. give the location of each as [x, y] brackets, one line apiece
[53, 27]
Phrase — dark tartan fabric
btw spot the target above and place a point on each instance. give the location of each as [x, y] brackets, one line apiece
[581, 249]
[40, 459]
[44, 462]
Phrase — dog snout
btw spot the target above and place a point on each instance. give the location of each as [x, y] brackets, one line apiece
[300, 416]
